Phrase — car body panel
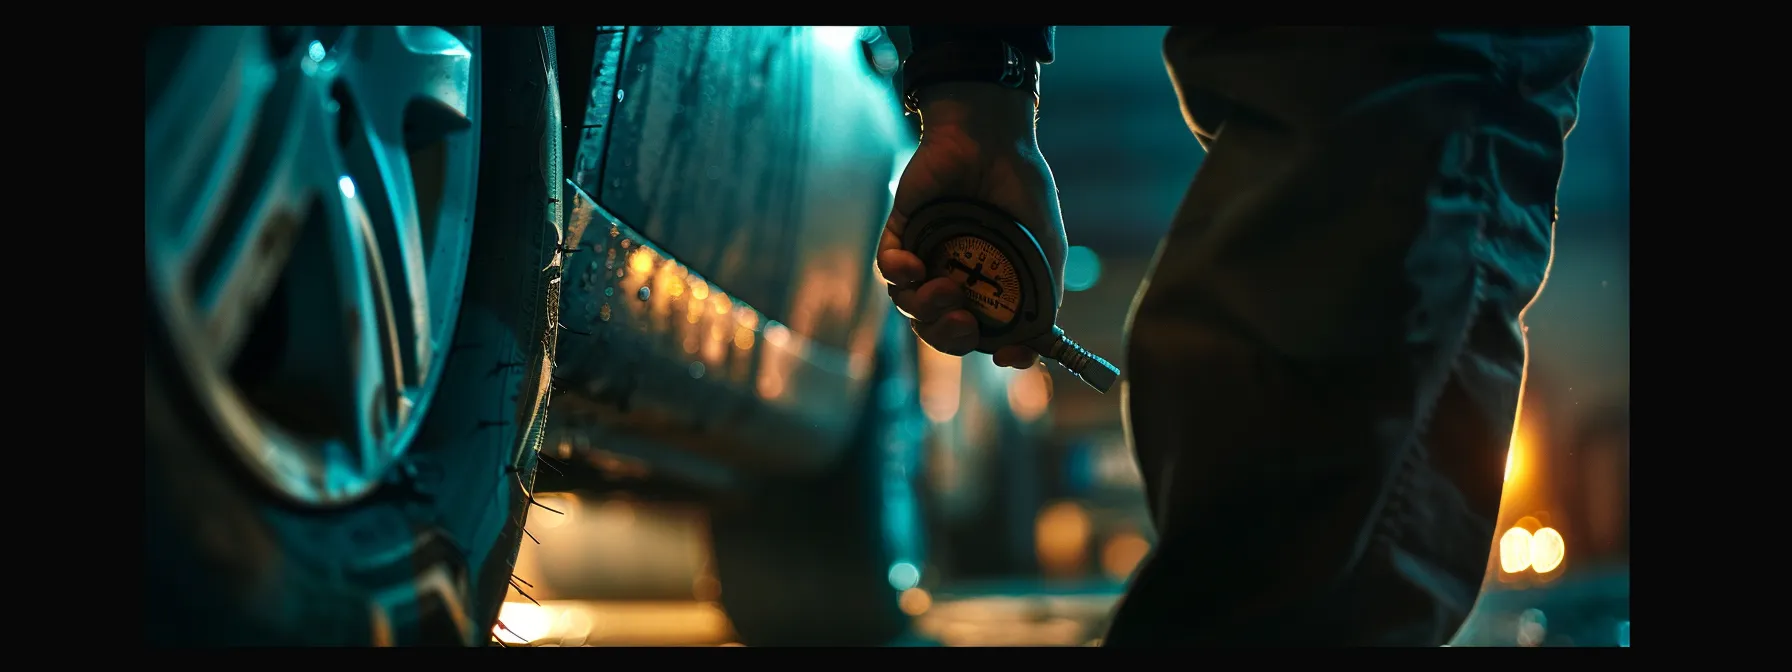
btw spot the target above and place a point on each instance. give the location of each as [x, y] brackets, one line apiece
[759, 156]
[725, 206]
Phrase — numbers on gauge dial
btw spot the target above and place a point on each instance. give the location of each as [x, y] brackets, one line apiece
[991, 283]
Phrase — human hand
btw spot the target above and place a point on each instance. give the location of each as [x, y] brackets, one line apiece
[977, 143]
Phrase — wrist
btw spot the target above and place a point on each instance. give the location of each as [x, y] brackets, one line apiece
[978, 109]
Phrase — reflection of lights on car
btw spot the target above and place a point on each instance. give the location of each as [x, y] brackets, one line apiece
[1542, 551]
[904, 576]
[1517, 448]
[641, 261]
[347, 185]
[1516, 451]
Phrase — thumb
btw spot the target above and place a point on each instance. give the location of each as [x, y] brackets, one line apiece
[914, 189]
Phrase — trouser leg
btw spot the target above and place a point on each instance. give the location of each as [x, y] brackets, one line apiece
[1325, 361]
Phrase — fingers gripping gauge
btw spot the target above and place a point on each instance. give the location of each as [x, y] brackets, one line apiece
[1008, 286]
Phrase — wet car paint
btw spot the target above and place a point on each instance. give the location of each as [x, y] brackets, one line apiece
[725, 204]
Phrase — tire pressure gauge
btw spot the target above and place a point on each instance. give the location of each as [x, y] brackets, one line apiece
[1007, 284]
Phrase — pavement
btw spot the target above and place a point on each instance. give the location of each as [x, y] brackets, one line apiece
[1590, 608]
[1011, 613]
[652, 591]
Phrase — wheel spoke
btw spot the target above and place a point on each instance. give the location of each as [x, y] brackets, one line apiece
[369, 324]
[408, 64]
[397, 239]
[200, 131]
[307, 218]
[407, 89]
[235, 272]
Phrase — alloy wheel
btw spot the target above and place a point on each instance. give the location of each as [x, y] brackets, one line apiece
[308, 211]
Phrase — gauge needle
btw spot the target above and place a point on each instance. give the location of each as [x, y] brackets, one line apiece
[976, 274]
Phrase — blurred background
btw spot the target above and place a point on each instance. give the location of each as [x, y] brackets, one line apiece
[1036, 520]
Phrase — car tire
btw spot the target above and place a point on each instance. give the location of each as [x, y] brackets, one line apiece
[822, 561]
[426, 558]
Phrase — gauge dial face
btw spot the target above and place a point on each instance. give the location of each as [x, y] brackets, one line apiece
[990, 281]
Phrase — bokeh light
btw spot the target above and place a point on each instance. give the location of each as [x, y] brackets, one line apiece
[942, 380]
[1515, 550]
[1548, 549]
[915, 601]
[522, 622]
[1061, 534]
[904, 576]
[1029, 393]
[1122, 554]
[1082, 269]
[1533, 628]
[566, 504]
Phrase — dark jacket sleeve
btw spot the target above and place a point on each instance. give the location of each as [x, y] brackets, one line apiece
[1034, 41]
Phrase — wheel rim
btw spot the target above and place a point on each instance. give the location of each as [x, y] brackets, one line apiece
[309, 205]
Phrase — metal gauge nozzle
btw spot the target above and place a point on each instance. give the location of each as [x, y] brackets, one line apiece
[1007, 284]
